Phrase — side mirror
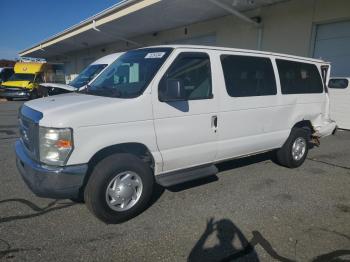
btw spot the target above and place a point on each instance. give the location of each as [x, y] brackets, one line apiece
[338, 83]
[172, 90]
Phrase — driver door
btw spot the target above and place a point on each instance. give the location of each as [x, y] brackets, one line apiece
[186, 125]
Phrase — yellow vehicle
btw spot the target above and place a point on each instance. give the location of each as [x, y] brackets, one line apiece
[24, 82]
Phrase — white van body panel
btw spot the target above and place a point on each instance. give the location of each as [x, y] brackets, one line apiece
[180, 135]
[340, 105]
[111, 121]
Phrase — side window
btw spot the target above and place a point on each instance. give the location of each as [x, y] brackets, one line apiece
[190, 75]
[338, 83]
[248, 76]
[299, 78]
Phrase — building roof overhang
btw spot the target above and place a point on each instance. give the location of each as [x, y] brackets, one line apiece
[132, 18]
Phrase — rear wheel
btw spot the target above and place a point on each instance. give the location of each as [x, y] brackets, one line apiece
[294, 151]
[120, 187]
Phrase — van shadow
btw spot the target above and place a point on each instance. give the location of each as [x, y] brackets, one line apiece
[224, 166]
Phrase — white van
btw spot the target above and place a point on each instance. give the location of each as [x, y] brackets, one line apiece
[84, 78]
[167, 115]
[339, 92]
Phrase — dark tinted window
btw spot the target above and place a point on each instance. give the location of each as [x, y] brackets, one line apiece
[192, 71]
[248, 76]
[338, 83]
[299, 78]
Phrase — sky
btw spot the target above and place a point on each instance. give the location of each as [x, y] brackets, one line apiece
[25, 23]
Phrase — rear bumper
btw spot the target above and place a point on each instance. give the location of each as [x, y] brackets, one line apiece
[50, 182]
[20, 93]
[326, 129]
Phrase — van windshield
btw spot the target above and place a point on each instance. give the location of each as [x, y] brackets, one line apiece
[130, 74]
[87, 75]
[22, 77]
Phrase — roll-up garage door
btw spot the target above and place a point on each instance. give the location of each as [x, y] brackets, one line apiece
[333, 44]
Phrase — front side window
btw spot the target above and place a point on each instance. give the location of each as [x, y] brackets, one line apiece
[22, 77]
[87, 75]
[130, 74]
[248, 76]
[190, 75]
[299, 78]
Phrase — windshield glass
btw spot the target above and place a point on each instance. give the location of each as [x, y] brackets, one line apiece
[87, 75]
[22, 77]
[130, 74]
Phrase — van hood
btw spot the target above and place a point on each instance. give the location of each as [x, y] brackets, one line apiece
[79, 110]
[20, 84]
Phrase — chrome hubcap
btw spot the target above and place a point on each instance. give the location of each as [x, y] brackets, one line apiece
[124, 191]
[299, 148]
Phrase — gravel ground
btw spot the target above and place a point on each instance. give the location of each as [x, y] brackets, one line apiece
[254, 210]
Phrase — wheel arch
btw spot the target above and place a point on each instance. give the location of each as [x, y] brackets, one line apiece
[305, 124]
[137, 149]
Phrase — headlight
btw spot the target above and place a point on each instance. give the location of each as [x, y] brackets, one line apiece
[55, 145]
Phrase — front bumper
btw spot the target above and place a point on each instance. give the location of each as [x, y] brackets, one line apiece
[14, 93]
[50, 182]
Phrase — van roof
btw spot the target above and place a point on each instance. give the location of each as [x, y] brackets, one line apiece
[247, 51]
[28, 68]
[108, 59]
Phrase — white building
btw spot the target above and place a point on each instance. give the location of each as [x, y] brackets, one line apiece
[315, 28]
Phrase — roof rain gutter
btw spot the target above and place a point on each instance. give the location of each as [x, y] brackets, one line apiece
[236, 13]
[115, 37]
[244, 18]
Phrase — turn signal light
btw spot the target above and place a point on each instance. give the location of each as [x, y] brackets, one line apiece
[64, 144]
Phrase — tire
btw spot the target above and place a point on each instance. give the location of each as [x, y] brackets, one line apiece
[285, 155]
[124, 166]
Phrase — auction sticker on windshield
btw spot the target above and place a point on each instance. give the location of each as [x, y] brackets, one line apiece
[155, 55]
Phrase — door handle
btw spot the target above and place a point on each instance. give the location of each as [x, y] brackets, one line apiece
[214, 123]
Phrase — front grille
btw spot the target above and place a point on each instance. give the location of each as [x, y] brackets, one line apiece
[29, 134]
[12, 89]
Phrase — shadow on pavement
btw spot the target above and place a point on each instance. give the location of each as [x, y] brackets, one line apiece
[232, 245]
[52, 206]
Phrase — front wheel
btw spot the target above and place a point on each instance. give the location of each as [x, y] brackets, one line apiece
[294, 151]
[120, 187]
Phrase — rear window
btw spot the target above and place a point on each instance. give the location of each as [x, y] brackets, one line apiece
[299, 78]
[248, 76]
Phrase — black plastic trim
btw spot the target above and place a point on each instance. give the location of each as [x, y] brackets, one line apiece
[186, 175]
